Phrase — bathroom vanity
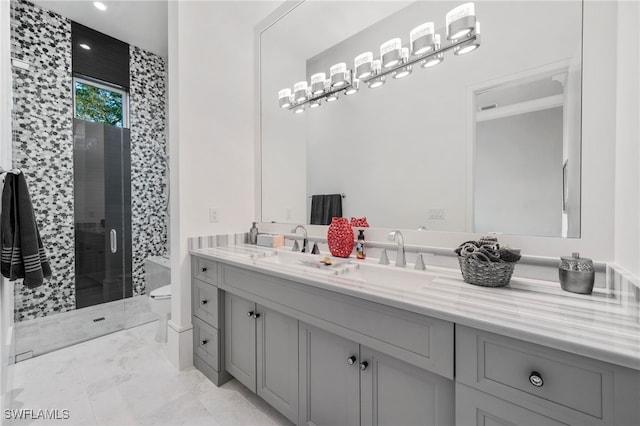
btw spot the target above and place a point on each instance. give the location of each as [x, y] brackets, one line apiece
[372, 344]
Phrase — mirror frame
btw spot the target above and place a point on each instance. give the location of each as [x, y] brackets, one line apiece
[598, 125]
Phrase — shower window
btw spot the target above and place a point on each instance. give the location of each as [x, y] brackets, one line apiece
[100, 103]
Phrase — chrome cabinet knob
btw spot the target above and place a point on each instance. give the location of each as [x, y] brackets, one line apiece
[256, 315]
[364, 365]
[203, 302]
[203, 269]
[351, 360]
[536, 379]
[250, 314]
[204, 342]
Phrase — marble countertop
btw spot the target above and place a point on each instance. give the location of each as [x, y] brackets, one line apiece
[603, 326]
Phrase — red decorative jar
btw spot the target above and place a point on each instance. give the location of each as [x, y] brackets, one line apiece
[340, 237]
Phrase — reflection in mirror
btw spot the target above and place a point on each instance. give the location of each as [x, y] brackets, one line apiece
[429, 150]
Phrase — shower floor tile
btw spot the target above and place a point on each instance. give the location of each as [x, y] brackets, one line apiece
[42, 335]
[125, 378]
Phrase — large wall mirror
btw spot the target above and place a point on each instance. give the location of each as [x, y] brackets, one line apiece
[484, 142]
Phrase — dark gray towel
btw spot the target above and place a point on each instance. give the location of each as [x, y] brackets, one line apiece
[23, 255]
[324, 208]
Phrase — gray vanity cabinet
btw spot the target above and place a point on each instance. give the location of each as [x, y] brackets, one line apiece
[344, 383]
[329, 379]
[393, 392]
[240, 339]
[277, 361]
[478, 408]
[208, 329]
[538, 385]
[261, 352]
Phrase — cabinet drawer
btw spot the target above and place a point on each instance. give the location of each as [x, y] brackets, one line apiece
[205, 343]
[205, 270]
[506, 367]
[205, 302]
[478, 408]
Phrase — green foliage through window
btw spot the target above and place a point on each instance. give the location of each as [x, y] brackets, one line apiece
[98, 105]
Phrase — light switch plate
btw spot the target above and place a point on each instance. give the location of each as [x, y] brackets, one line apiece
[213, 215]
[436, 214]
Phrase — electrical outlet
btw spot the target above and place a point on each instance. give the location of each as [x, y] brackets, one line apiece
[213, 215]
[437, 214]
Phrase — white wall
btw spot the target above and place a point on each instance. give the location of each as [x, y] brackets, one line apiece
[6, 288]
[211, 131]
[627, 177]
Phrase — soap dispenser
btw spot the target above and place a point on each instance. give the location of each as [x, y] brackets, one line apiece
[361, 252]
[253, 234]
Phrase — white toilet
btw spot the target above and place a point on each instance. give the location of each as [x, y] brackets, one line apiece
[157, 280]
[160, 304]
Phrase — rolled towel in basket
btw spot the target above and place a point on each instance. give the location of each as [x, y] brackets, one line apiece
[510, 255]
[467, 247]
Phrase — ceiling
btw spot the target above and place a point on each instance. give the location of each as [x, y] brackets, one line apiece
[142, 23]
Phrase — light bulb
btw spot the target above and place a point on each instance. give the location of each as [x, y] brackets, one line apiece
[460, 21]
[317, 83]
[300, 90]
[390, 52]
[338, 74]
[421, 39]
[284, 98]
[363, 65]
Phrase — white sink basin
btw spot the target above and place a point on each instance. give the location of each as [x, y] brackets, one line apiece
[388, 276]
[309, 263]
[252, 252]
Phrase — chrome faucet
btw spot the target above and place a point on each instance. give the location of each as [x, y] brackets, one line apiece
[305, 242]
[400, 258]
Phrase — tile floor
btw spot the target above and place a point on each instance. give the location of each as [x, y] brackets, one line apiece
[126, 379]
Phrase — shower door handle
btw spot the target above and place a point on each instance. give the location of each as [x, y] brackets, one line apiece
[113, 237]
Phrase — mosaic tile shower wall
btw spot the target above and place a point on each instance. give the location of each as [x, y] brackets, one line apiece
[148, 167]
[43, 148]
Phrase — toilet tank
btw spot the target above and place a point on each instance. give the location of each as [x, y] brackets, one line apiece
[157, 272]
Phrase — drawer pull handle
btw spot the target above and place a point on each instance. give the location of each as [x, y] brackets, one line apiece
[364, 365]
[204, 342]
[203, 302]
[535, 379]
[203, 269]
[351, 360]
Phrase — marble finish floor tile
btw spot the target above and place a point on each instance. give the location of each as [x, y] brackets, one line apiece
[126, 379]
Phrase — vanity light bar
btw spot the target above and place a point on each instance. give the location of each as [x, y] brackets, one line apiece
[395, 60]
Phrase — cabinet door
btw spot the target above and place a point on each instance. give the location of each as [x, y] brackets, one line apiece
[277, 361]
[394, 392]
[240, 339]
[329, 385]
[478, 408]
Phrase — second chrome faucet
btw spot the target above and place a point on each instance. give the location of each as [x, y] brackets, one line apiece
[305, 241]
[400, 257]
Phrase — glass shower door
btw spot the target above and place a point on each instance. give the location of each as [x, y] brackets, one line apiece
[102, 211]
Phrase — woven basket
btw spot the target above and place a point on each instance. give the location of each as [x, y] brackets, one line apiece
[478, 270]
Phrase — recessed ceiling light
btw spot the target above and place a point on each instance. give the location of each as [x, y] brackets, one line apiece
[85, 46]
[100, 6]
